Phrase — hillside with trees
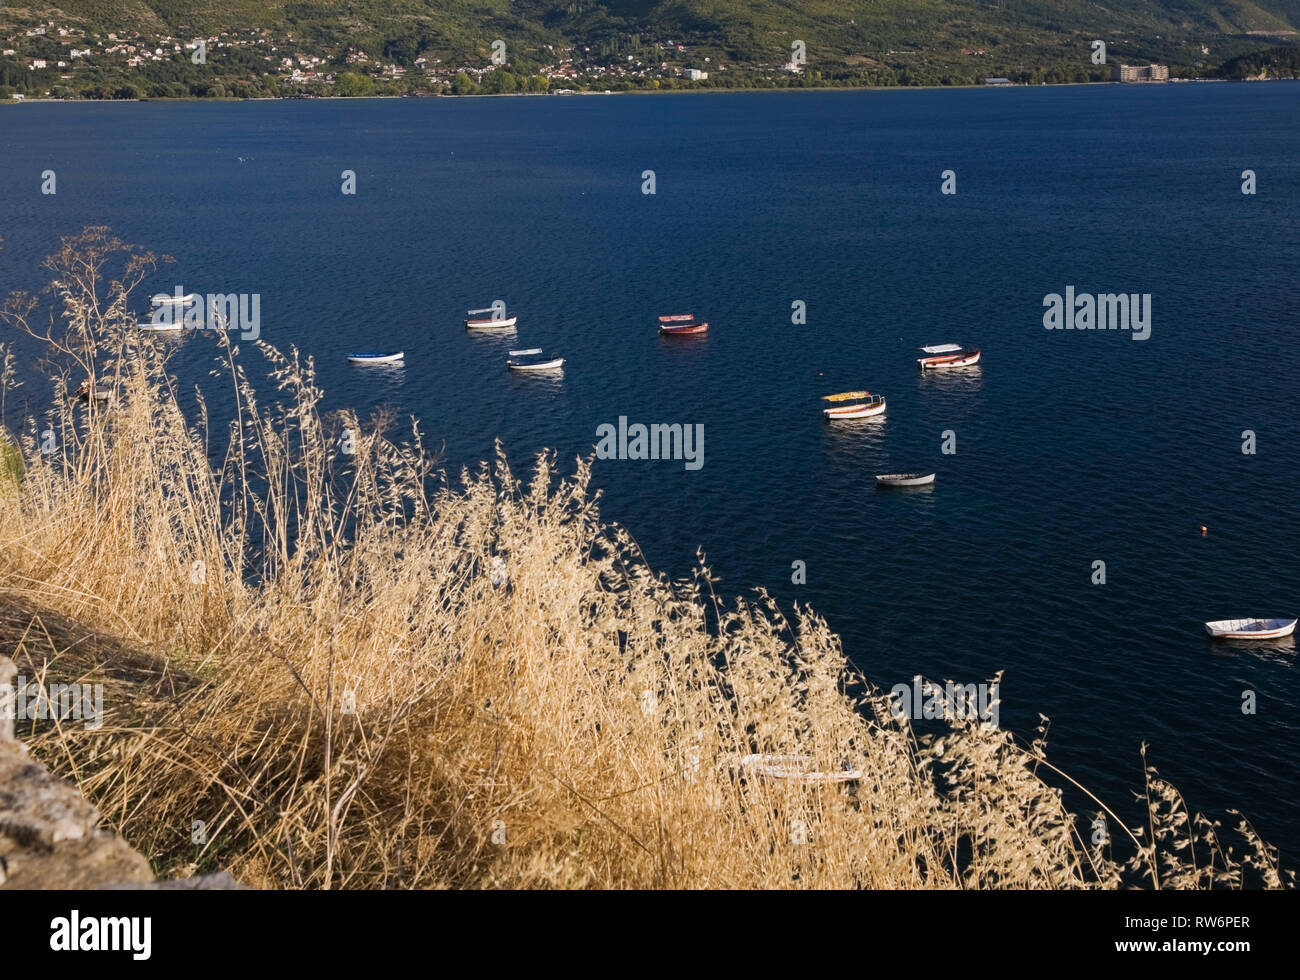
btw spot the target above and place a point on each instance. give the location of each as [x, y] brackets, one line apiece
[124, 48]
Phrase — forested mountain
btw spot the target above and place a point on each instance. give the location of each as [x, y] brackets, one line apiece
[649, 43]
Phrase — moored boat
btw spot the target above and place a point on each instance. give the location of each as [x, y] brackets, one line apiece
[948, 356]
[904, 479]
[150, 327]
[873, 405]
[553, 364]
[677, 318]
[102, 392]
[515, 363]
[376, 357]
[162, 299]
[795, 769]
[682, 329]
[1250, 629]
[494, 322]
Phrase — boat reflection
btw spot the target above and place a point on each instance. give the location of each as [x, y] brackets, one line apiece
[683, 342]
[1281, 650]
[855, 442]
[171, 336]
[923, 488]
[547, 381]
[496, 336]
[957, 380]
[394, 373]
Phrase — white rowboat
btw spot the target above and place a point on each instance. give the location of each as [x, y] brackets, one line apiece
[550, 365]
[162, 299]
[376, 357]
[1250, 629]
[152, 327]
[491, 324]
[904, 479]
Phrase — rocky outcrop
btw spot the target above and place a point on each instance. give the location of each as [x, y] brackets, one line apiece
[50, 837]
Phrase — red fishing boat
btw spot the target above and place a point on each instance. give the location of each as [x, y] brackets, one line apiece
[682, 329]
[948, 356]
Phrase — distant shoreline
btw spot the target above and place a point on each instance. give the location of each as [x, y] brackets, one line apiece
[685, 91]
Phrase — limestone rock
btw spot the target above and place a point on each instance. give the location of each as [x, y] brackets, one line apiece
[50, 836]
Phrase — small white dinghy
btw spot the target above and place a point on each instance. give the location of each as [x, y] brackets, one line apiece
[549, 364]
[1250, 629]
[904, 479]
[162, 299]
[376, 357]
[794, 769]
[477, 322]
[151, 327]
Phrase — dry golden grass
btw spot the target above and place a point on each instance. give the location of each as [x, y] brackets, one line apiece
[356, 675]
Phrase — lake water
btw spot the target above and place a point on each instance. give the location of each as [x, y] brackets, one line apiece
[1071, 447]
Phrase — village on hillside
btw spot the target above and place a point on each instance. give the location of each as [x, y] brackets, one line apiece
[50, 59]
[55, 60]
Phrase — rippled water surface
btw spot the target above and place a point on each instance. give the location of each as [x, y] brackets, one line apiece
[1071, 447]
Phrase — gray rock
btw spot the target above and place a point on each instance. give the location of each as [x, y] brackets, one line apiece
[50, 835]
[37, 810]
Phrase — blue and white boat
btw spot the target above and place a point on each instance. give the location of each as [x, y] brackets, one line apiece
[376, 357]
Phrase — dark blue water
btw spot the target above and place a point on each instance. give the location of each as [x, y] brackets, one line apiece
[1071, 447]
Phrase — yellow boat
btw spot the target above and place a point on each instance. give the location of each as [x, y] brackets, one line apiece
[873, 405]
